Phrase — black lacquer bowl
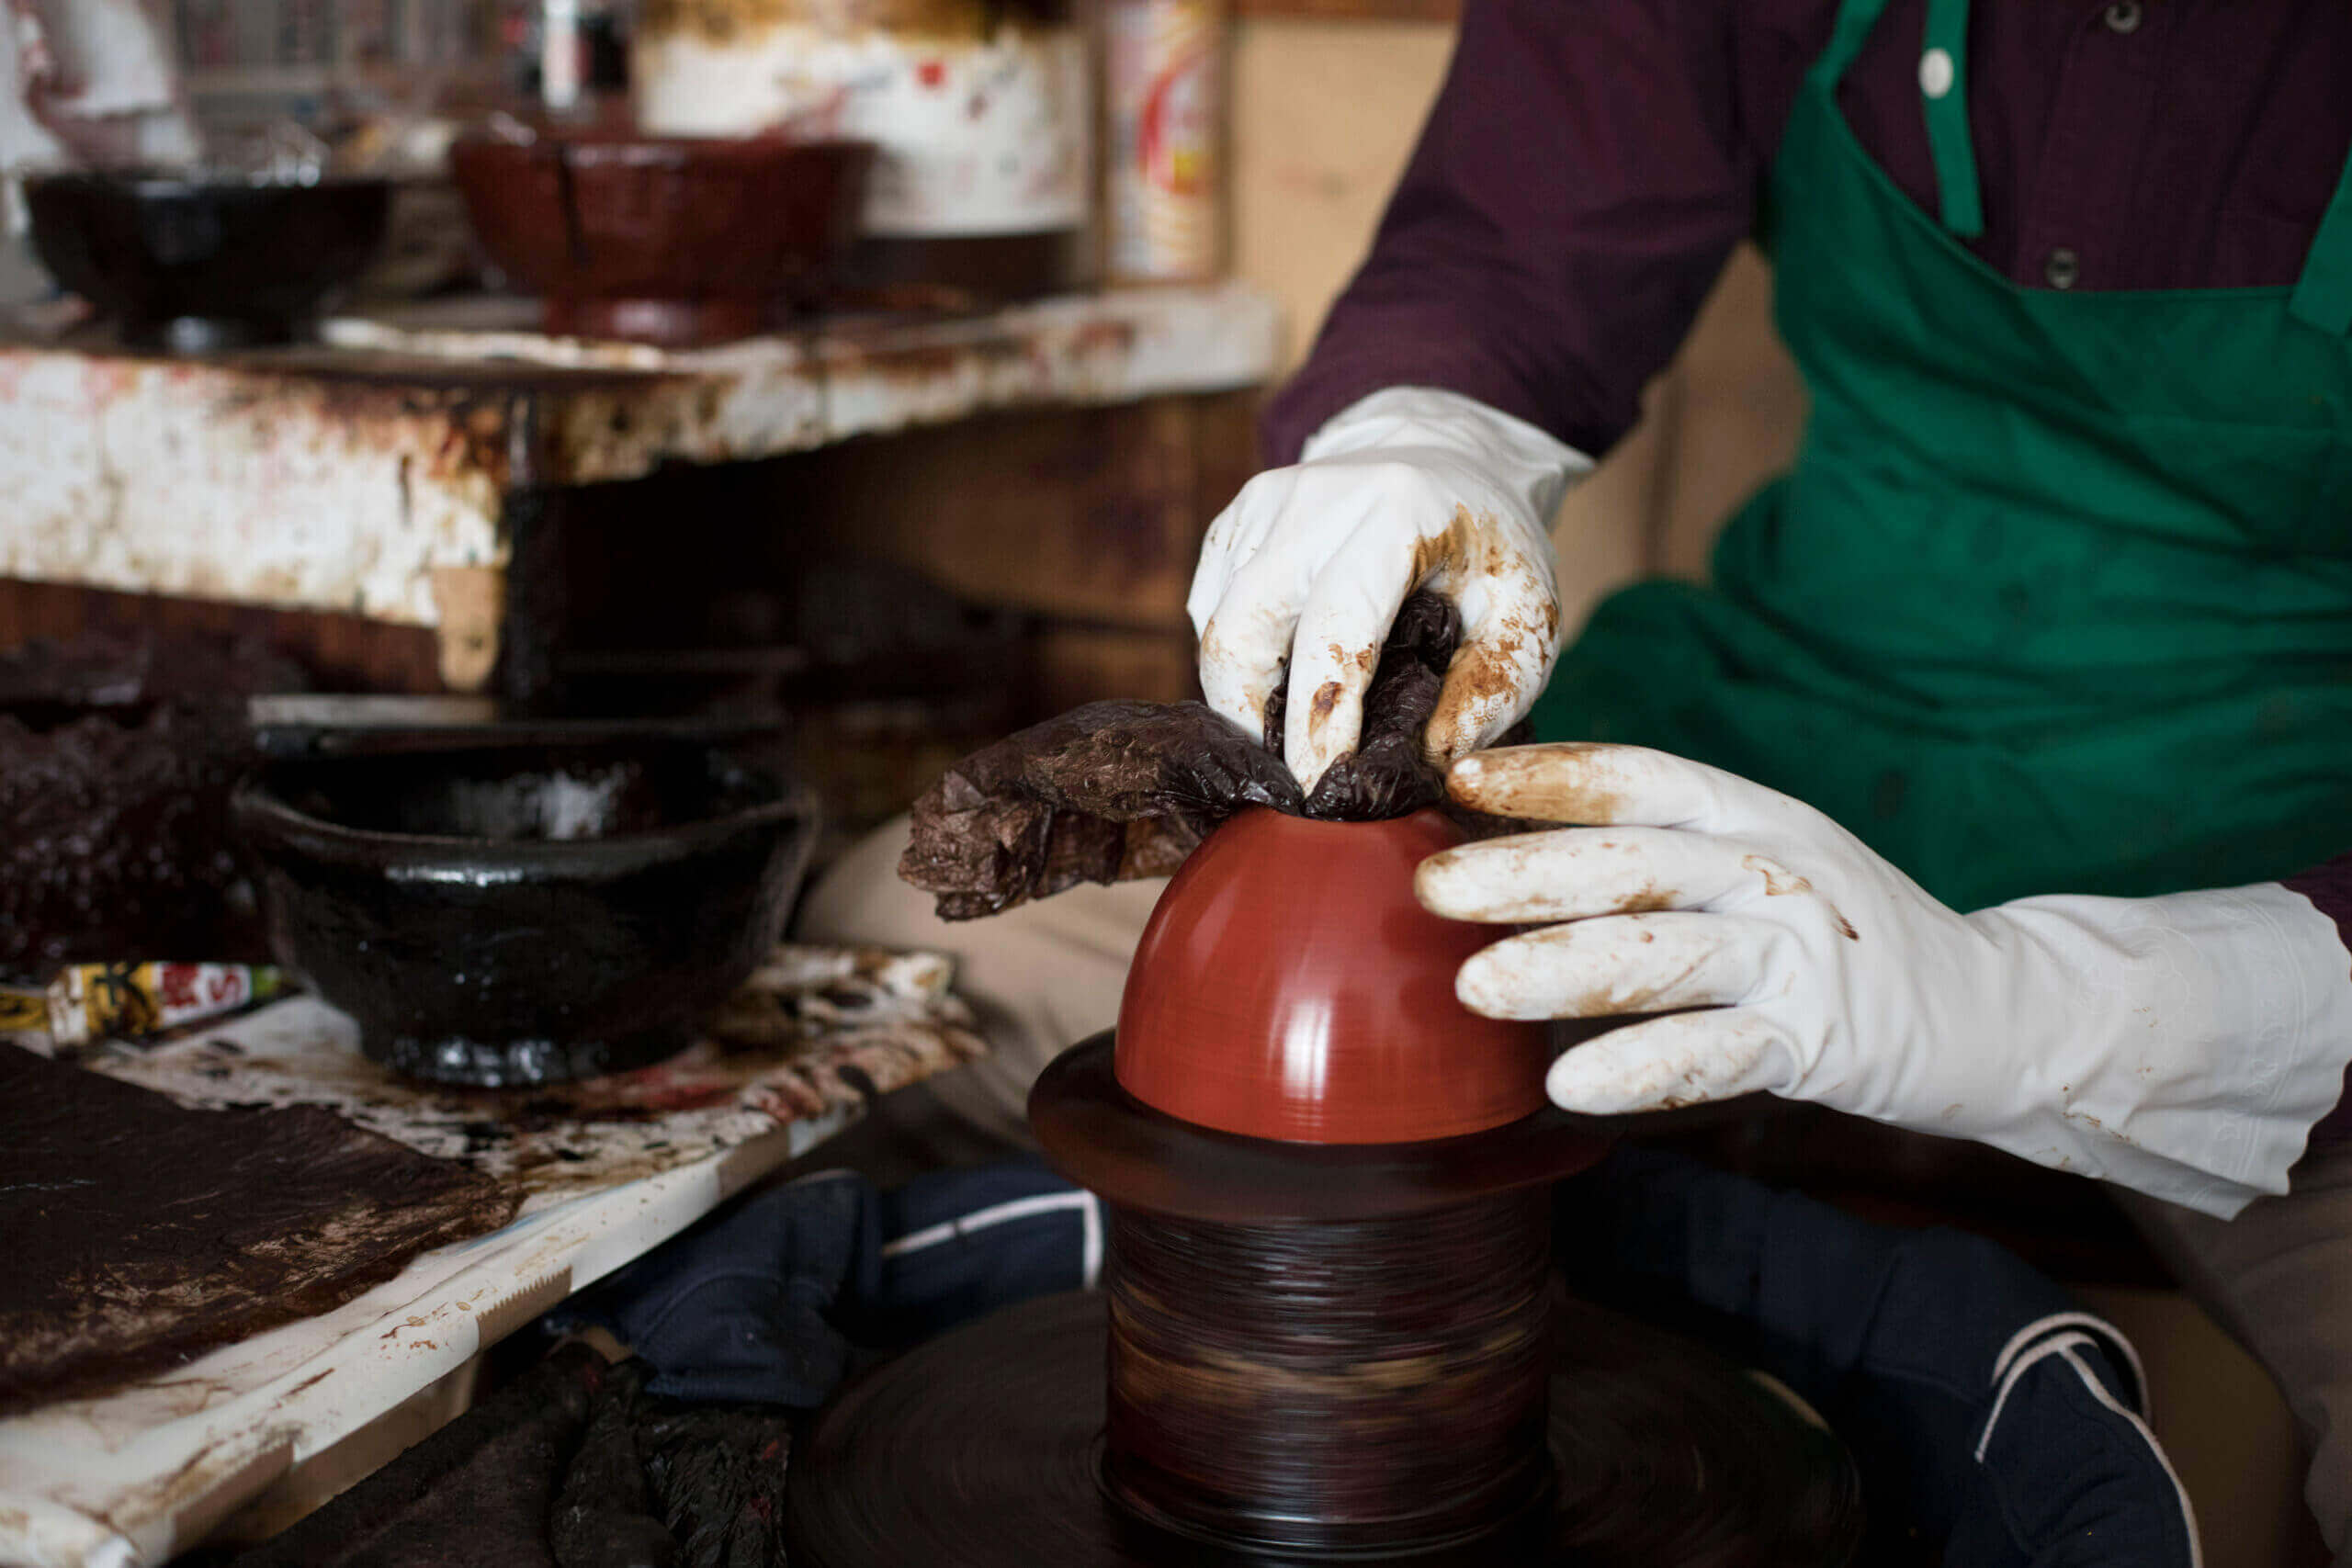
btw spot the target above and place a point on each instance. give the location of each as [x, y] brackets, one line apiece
[193, 263]
[525, 915]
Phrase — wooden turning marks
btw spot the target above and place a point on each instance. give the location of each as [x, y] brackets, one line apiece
[1315, 1353]
[983, 1449]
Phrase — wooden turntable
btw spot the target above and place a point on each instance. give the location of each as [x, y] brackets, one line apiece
[1328, 1329]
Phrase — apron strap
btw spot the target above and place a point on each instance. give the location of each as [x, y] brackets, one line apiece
[1943, 90]
[1855, 19]
[2322, 296]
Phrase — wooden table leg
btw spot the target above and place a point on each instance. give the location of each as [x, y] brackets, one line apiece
[471, 601]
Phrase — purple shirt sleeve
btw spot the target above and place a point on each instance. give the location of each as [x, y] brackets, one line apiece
[1589, 164]
[2329, 887]
[1580, 181]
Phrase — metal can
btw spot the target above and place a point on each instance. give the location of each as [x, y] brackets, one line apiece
[1167, 103]
[983, 110]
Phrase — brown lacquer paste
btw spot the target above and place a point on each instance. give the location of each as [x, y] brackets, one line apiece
[141, 1234]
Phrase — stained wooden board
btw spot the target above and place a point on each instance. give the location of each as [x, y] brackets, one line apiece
[143, 1232]
[137, 1475]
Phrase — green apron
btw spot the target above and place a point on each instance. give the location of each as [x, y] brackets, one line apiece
[2058, 595]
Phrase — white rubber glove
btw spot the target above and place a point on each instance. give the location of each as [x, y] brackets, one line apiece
[1410, 487]
[2181, 1045]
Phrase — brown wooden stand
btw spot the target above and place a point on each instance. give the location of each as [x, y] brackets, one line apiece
[1312, 1353]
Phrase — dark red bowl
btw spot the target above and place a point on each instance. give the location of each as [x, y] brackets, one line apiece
[1288, 986]
[667, 239]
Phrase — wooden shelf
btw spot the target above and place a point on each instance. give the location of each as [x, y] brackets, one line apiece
[378, 473]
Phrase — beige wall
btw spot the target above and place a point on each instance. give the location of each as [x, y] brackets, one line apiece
[1325, 115]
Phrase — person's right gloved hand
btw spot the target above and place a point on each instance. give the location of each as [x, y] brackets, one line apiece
[1411, 488]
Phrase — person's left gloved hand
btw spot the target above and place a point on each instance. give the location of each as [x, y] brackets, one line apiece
[2182, 1045]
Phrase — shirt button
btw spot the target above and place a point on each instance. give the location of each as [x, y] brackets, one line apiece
[2061, 267]
[2123, 16]
[1937, 72]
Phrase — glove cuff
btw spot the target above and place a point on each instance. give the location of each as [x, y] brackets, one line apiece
[2208, 1033]
[1536, 465]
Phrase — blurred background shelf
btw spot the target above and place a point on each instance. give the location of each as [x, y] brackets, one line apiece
[395, 473]
[810, 525]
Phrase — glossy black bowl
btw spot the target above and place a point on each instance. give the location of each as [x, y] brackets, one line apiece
[525, 915]
[197, 264]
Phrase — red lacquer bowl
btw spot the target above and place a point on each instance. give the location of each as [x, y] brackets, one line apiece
[678, 241]
[1289, 986]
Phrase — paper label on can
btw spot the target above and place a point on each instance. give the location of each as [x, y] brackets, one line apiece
[976, 137]
[95, 1002]
[1165, 87]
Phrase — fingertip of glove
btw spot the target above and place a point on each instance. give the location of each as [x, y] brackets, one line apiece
[1436, 883]
[1466, 777]
[1489, 780]
[1483, 984]
[1575, 1085]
